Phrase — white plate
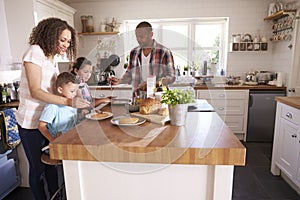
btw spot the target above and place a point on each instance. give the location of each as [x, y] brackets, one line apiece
[115, 121]
[89, 116]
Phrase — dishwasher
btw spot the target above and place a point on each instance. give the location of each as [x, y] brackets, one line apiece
[261, 115]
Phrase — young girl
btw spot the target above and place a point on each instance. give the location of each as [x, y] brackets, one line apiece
[83, 69]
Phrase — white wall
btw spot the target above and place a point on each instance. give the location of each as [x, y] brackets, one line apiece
[20, 21]
[246, 16]
[5, 54]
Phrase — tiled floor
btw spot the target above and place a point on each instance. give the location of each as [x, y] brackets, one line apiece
[255, 181]
[252, 182]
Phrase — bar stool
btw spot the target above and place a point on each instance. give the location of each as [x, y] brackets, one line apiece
[45, 158]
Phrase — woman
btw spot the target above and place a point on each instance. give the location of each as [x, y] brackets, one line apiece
[50, 37]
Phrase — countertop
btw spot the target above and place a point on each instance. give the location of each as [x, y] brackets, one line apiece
[199, 87]
[291, 101]
[11, 104]
[239, 87]
[204, 140]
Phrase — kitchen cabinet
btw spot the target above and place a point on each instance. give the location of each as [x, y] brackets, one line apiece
[286, 147]
[231, 105]
[50, 8]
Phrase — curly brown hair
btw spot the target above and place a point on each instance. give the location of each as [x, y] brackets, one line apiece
[46, 34]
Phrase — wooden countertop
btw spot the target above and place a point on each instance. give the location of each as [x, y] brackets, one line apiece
[11, 104]
[291, 101]
[201, 87]
[205, 140]
[239, 87]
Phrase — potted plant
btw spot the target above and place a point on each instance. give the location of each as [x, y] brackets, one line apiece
[177, 101]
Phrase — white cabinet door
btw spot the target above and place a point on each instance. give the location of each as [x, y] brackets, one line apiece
[289, 147]
[43, 11]
[47, 8]
[231, 105]
[69, 17]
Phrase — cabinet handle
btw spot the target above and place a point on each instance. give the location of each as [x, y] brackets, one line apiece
[294, 136]
[221, 108]
[289, 115]
[221, 95]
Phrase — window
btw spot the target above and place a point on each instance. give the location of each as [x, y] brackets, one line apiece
[192, 41]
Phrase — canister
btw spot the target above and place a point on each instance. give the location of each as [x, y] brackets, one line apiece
[90, 24]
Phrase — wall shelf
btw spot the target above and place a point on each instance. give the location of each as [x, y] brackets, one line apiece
[281, 14]
[99, 33]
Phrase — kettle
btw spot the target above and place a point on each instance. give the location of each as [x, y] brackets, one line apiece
[251, 77]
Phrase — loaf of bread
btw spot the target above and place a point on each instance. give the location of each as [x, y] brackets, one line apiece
[163, 112]
[128, 120]
[150, 106]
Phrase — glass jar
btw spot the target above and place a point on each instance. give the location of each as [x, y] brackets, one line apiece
[84, 23]
[90, 24]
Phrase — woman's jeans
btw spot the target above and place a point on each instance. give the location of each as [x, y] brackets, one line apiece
[33, 141]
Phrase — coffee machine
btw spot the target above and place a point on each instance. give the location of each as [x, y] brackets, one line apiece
[106, 68]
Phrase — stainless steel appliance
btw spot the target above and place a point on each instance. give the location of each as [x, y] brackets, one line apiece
[106, 70]
[263, 77]
[261, 115]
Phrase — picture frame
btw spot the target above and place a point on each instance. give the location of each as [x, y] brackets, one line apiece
[242, 46]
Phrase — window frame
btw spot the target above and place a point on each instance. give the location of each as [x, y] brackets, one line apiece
[129, 25]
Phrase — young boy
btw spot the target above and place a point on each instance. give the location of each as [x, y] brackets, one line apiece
[57, 119]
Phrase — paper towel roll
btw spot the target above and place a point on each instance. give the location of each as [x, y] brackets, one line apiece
[279, 79]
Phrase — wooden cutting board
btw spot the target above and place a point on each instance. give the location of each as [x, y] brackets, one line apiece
[154, 118]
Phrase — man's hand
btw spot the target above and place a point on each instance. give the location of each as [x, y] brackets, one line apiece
[113, 80]
[142, 86]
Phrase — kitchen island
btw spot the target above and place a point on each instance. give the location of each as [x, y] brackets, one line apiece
[105, 161]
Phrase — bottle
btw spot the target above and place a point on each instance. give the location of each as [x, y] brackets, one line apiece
[204, 68]
[8, 97]
[3, 94]
[222, 72]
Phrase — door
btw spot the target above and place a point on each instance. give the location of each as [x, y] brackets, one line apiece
[294, 86]
[288, 148]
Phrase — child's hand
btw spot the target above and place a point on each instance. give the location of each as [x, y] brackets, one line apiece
[85, 111]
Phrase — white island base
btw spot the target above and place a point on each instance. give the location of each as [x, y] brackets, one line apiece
[89, 180]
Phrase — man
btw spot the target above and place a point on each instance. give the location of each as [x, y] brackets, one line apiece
[149, 58]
